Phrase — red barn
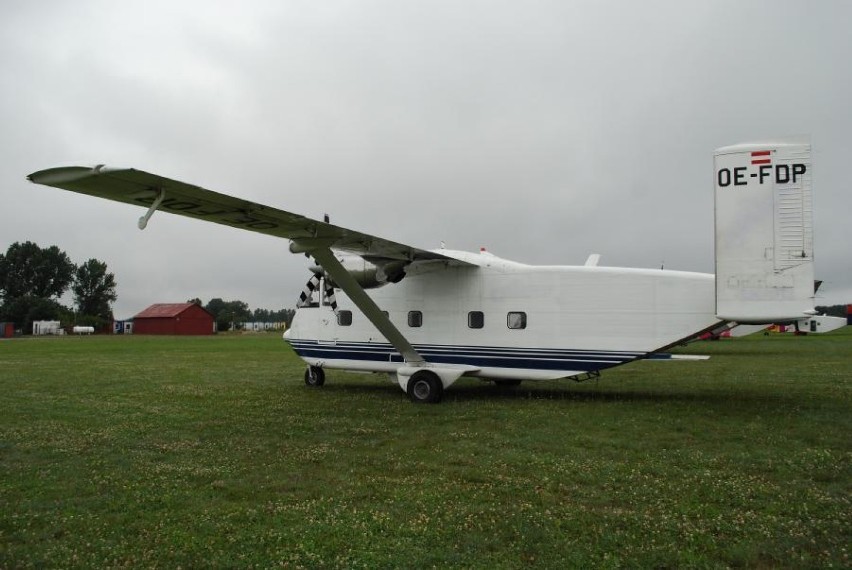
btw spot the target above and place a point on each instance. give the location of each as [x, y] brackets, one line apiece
[174, 318]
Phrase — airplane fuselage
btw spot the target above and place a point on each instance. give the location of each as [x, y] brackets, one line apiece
[507, 320]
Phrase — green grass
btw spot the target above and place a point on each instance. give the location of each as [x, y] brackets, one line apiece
[146, 451]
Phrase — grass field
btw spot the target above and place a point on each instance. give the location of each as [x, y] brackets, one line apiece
[146, 451]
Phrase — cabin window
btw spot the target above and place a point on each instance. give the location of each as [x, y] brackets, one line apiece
[475, 319]
[415, 319]
[516, 320]
[344, 318]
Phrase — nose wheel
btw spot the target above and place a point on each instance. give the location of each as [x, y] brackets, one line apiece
[314, 376]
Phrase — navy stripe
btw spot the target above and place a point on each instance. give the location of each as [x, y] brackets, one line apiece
[494, 357]
[557, 352]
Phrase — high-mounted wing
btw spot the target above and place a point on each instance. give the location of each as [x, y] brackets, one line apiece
[315, 238]
[144, 189]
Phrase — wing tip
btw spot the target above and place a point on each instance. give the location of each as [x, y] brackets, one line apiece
[65, 174]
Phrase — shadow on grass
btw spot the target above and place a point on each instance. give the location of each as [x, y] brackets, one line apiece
[568, 391]
[609, 395]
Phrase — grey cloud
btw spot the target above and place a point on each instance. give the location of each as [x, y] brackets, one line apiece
[542, 130]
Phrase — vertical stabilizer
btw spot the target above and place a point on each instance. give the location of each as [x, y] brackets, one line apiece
[764, 232]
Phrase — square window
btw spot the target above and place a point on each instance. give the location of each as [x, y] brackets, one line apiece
[475, 319]
[415, 319]
[344, 318]
[516, 320]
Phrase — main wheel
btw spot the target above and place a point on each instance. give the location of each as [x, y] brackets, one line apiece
[314, 376]
[425, 387]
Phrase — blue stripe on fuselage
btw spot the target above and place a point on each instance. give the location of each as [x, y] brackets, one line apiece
[479, 356]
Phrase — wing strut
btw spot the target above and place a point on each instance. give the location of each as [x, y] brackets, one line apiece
[325, 257]
[143, 221]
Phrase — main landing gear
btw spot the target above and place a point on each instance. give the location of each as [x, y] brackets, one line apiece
[425, 387]
[314, 376]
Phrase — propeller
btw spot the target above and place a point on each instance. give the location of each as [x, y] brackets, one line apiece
[312, 285]
[329, 295]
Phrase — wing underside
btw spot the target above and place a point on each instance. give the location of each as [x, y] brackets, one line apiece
[317, 239]
[144, 189]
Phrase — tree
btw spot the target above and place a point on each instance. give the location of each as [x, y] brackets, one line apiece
[261, 316]
[287, 316]
[832, 310]
[228, 313]
[26, 270]
[24, 310]
[31, 281]
[234, 313]
[214, 307]
[94, 290]
[195, 301]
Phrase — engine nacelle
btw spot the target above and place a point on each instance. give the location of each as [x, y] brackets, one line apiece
[369, 275]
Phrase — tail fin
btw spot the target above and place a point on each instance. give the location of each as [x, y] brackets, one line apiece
[764, 232]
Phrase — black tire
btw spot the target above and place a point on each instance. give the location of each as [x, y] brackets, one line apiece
[425, 387]
[314, 376]
[507, 383]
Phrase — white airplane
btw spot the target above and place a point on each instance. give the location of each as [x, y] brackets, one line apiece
[434, 316]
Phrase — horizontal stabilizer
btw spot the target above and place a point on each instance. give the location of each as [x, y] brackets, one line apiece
[820, 324]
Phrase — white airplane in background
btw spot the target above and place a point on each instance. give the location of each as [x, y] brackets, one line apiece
[434, 316]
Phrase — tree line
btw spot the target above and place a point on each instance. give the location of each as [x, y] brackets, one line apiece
[33, 279]
[831, 310]
[232, 315]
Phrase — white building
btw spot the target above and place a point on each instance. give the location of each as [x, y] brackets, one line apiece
[46, 327]
[257, 327]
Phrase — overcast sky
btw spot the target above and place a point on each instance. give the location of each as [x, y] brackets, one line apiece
[544, 131]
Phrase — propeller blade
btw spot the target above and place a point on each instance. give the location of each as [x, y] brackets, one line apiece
[307, 292]
[329, 295]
